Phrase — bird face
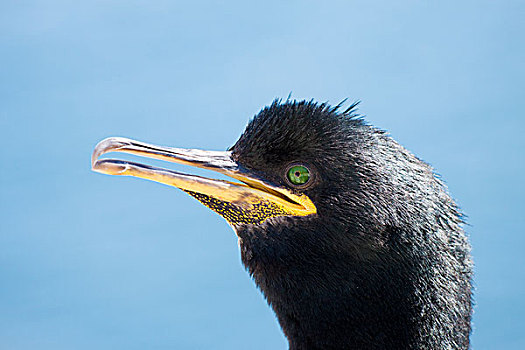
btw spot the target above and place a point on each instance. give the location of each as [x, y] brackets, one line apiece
[275, 169]
[285, 164]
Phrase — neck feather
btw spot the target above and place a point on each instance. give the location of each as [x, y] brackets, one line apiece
[356, 297]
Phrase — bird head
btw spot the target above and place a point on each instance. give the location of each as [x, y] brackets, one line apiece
[298, 164]
[283, 165]
[344, 230]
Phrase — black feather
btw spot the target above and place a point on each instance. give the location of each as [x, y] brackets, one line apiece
[384, 264]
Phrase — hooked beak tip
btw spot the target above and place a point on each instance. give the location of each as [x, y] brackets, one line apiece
[107, 145]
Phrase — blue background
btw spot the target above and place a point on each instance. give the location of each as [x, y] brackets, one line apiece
[90, 261]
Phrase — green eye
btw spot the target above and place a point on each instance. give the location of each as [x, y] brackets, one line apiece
[298, 174]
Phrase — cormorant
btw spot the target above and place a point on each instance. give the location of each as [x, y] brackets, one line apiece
[354, 241]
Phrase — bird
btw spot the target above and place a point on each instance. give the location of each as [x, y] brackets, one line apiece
[354, 242]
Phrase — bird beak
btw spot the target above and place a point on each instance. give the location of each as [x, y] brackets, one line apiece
[253, 200]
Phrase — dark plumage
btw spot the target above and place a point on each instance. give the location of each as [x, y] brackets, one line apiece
[364, 250]
[384, 264]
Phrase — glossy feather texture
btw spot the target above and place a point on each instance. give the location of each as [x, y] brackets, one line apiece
[384, 264]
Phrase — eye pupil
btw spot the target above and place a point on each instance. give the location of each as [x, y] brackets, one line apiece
[298, 174]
